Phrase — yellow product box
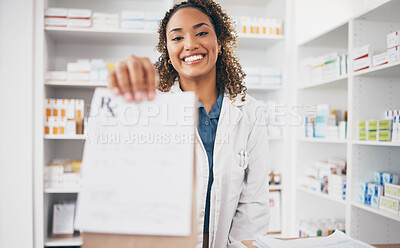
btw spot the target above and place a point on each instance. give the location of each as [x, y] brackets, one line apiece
[372, 135]
[385, 125]
[362, 125]
[389, 204]
[363, 135]
[384, 136]
[392, 190]
[372, 125]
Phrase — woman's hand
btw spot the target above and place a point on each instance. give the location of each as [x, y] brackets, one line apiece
[134, 78]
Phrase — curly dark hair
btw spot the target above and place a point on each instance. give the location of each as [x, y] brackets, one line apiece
[230, 74]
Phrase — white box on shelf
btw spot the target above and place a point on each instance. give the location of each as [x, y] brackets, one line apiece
[56, 12]
[362, 63]
[132, 15]
[375, 201]
[362, 51]
[380, 59]
[55, 22]
[79, 13]
[56, 76]
[393, 54]
[389, 204]
[132, 24]
[79, 23]
[393, 39]
[275, 206]
[392, 190]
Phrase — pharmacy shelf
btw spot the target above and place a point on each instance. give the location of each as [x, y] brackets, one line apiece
[333, 37]
[337, 83]
[323, 140]
[377, 211]
[65, 137]
[61, 190]
[62, 242]
[388, 70]
[276, 138]
[75, 84]
[257, 41]
[101, 36]
[321, 195]
[375, 143]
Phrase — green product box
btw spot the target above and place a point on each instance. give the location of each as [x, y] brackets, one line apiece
[363, 135]
[372, 135]
[384, 135]
[385, 124]
[361, 125]
[372, 125]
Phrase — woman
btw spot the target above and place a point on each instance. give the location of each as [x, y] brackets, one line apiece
[196, 42]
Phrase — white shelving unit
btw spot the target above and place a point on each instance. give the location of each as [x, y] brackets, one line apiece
[57, 46]
[365, 94]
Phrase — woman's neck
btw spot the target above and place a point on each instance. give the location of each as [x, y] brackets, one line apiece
[205, 89]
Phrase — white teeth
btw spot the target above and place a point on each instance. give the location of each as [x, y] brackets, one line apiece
[193, 58]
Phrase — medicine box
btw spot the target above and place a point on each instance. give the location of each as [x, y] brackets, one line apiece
[390, 178]
[384, 135]
[372, 125]
[362, 135]
[372, 136]
[385, 125]
[392, 190]
[393, 39]
[378, 177]
[362, 63]
[375, 189]
[375, 201]
[56, 12]
[389, 204]
[79, 13]
[361, 52]
[380, 59]
[393, 54]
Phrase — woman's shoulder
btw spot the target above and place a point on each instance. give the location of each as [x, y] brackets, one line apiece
[251, 107]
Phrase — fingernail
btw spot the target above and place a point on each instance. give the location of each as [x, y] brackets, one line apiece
[151, 95]
[116, 91]
[128, 96]
[138, 96]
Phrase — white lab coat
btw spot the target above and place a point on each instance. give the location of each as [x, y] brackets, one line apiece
[239, 195]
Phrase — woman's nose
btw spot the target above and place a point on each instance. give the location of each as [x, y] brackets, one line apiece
[191, 43]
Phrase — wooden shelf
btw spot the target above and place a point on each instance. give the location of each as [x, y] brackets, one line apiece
[320, 195]
[275, 187]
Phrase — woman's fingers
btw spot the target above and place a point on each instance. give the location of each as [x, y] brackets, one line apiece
[150, 76]
[134, 78]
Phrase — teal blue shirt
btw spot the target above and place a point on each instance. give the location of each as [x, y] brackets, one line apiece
[207, 128]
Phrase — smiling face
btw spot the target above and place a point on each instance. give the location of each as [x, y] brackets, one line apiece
[192, 44]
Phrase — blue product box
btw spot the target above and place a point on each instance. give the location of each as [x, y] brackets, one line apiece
[375, 189]
[375, 201]
[378, 176]
[364, 187]
[390, 178]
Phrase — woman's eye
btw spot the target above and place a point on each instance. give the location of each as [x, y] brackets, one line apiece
[177, 38]
[202, 33]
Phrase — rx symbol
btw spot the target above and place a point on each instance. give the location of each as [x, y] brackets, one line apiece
[106, 101]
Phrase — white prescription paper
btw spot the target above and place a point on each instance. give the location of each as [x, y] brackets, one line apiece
[63, 218]
[336, 240]
[137, 173]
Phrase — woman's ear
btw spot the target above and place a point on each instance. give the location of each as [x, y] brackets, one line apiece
[219, 47]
